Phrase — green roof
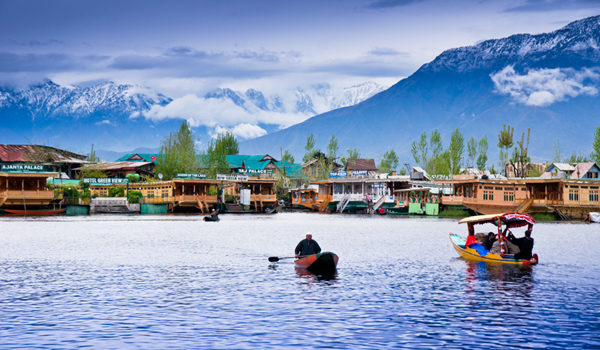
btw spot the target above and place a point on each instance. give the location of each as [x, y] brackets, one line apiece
[293, 171]
[235, 161]
[147, 157]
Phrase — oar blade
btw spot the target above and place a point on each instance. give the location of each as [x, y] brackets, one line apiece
[273, 259]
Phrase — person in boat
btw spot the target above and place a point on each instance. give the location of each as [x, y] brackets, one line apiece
[307, 246]
[215, 213]
[489, 241]
[525, 245]
[510, 247]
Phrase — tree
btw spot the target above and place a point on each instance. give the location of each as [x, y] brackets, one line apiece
[505, 141]
[419, 150]
[389, 162]
[353, 153]
[435, 142]
[177, 153]
[595, 154]
[472, 151]
[576, 158]
[309, 148]
[483, 148]
[287, 157]
[455, 151]
[557, 152]
[520, 155]
[214, 158]
[332, 148]
[92, 156]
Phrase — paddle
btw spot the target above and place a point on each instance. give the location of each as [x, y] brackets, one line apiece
[275, 259]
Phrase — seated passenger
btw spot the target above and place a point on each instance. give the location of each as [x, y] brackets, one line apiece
[495, 246]
[481, 237]
[470, 240]
[525, 244]
[491, 238]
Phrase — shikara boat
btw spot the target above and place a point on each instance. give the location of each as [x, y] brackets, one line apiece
[211, 218]
[32, 212]
[477, 252]
[322, 262]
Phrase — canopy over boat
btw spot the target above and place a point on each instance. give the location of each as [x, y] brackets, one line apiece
[471, 249]
[511, 219]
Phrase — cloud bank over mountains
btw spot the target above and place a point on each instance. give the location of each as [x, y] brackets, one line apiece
[543, 87]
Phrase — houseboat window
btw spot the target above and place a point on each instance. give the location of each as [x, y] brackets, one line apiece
[488, 195]
[498, 188]
[488, 188]
[338, 188]
[584, 187]
[574, 186]
[591, 175]
[348, 189]
[358, 188]
[593, 187]
[574, 195]
[523, 189]
[593, 195]
[509, 188]
[509, 197]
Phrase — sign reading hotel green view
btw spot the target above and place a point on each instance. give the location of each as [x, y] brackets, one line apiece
[104, 181]
[23, 168]
[231, 177]
[191, 176]
[255, 171]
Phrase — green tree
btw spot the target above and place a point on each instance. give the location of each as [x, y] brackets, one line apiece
[482, 158]
[91, 157]
[332, 148]
[520, 156]
[505, 141]
[557, 152]
[353, 153]
[389, 162]
[177, 153]
[287, 157]
[595, 154]
[227, 144]
[576, 158]
[309, 148]
[456, 149]
[419, 150]
[435, 142]
[472, 151]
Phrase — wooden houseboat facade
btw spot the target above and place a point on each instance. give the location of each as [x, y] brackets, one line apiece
[567, 198]
[25, 191]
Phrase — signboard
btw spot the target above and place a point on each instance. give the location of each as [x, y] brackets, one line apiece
[104, 181]
[255, 171]
[23, 168]
[360, 172]
[338, 174]
[231, 177]
[191, 176]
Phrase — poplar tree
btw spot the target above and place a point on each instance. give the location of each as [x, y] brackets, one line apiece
[505, 141]
[309, 148]
[389, 161]
[483, 148]
[435, 142]
[177, 153]
[472, 151]
[595, 155]
[455, 151]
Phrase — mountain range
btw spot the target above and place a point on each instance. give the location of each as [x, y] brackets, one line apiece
[546, 82]
[112, 115]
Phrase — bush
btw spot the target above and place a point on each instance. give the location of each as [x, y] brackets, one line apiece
[116, 191]
[134, 196]
[284, 196]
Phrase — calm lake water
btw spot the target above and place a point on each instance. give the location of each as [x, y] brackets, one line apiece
[156, 282]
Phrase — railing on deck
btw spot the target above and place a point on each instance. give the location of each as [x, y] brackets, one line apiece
[28, 194]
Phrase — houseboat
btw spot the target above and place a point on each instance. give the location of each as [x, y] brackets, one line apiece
[24, 190]
[568, 198]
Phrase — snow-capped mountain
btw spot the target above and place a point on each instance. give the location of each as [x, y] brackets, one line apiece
[547, 82]
[576, 43]
[50, 100]
[317, 99]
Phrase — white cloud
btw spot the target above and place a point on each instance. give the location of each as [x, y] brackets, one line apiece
[243, 130]
[543, 87]
[213, 112]
[105, 122]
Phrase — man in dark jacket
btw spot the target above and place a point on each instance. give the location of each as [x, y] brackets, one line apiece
[525, 244]
[489, 242]
[307, 246]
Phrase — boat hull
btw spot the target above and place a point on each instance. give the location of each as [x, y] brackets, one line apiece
[211, 218]
[32, 212]
[322, 262]
[478, 253]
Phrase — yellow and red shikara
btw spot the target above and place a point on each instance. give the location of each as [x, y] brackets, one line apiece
[477, 252]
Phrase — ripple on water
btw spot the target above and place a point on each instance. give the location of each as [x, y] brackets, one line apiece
[174, 281]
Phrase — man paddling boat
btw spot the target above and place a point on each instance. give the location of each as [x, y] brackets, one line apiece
[307, 246]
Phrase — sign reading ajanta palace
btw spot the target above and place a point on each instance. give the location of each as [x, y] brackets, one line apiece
[22, 168]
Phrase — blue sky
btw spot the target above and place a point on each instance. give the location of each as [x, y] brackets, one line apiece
[185, 48]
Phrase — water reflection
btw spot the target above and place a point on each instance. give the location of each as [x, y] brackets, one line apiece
[310, 277]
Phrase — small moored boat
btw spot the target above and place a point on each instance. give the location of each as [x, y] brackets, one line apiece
[33, 212]
[211, 218]
[322, 262]
[477, 252]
